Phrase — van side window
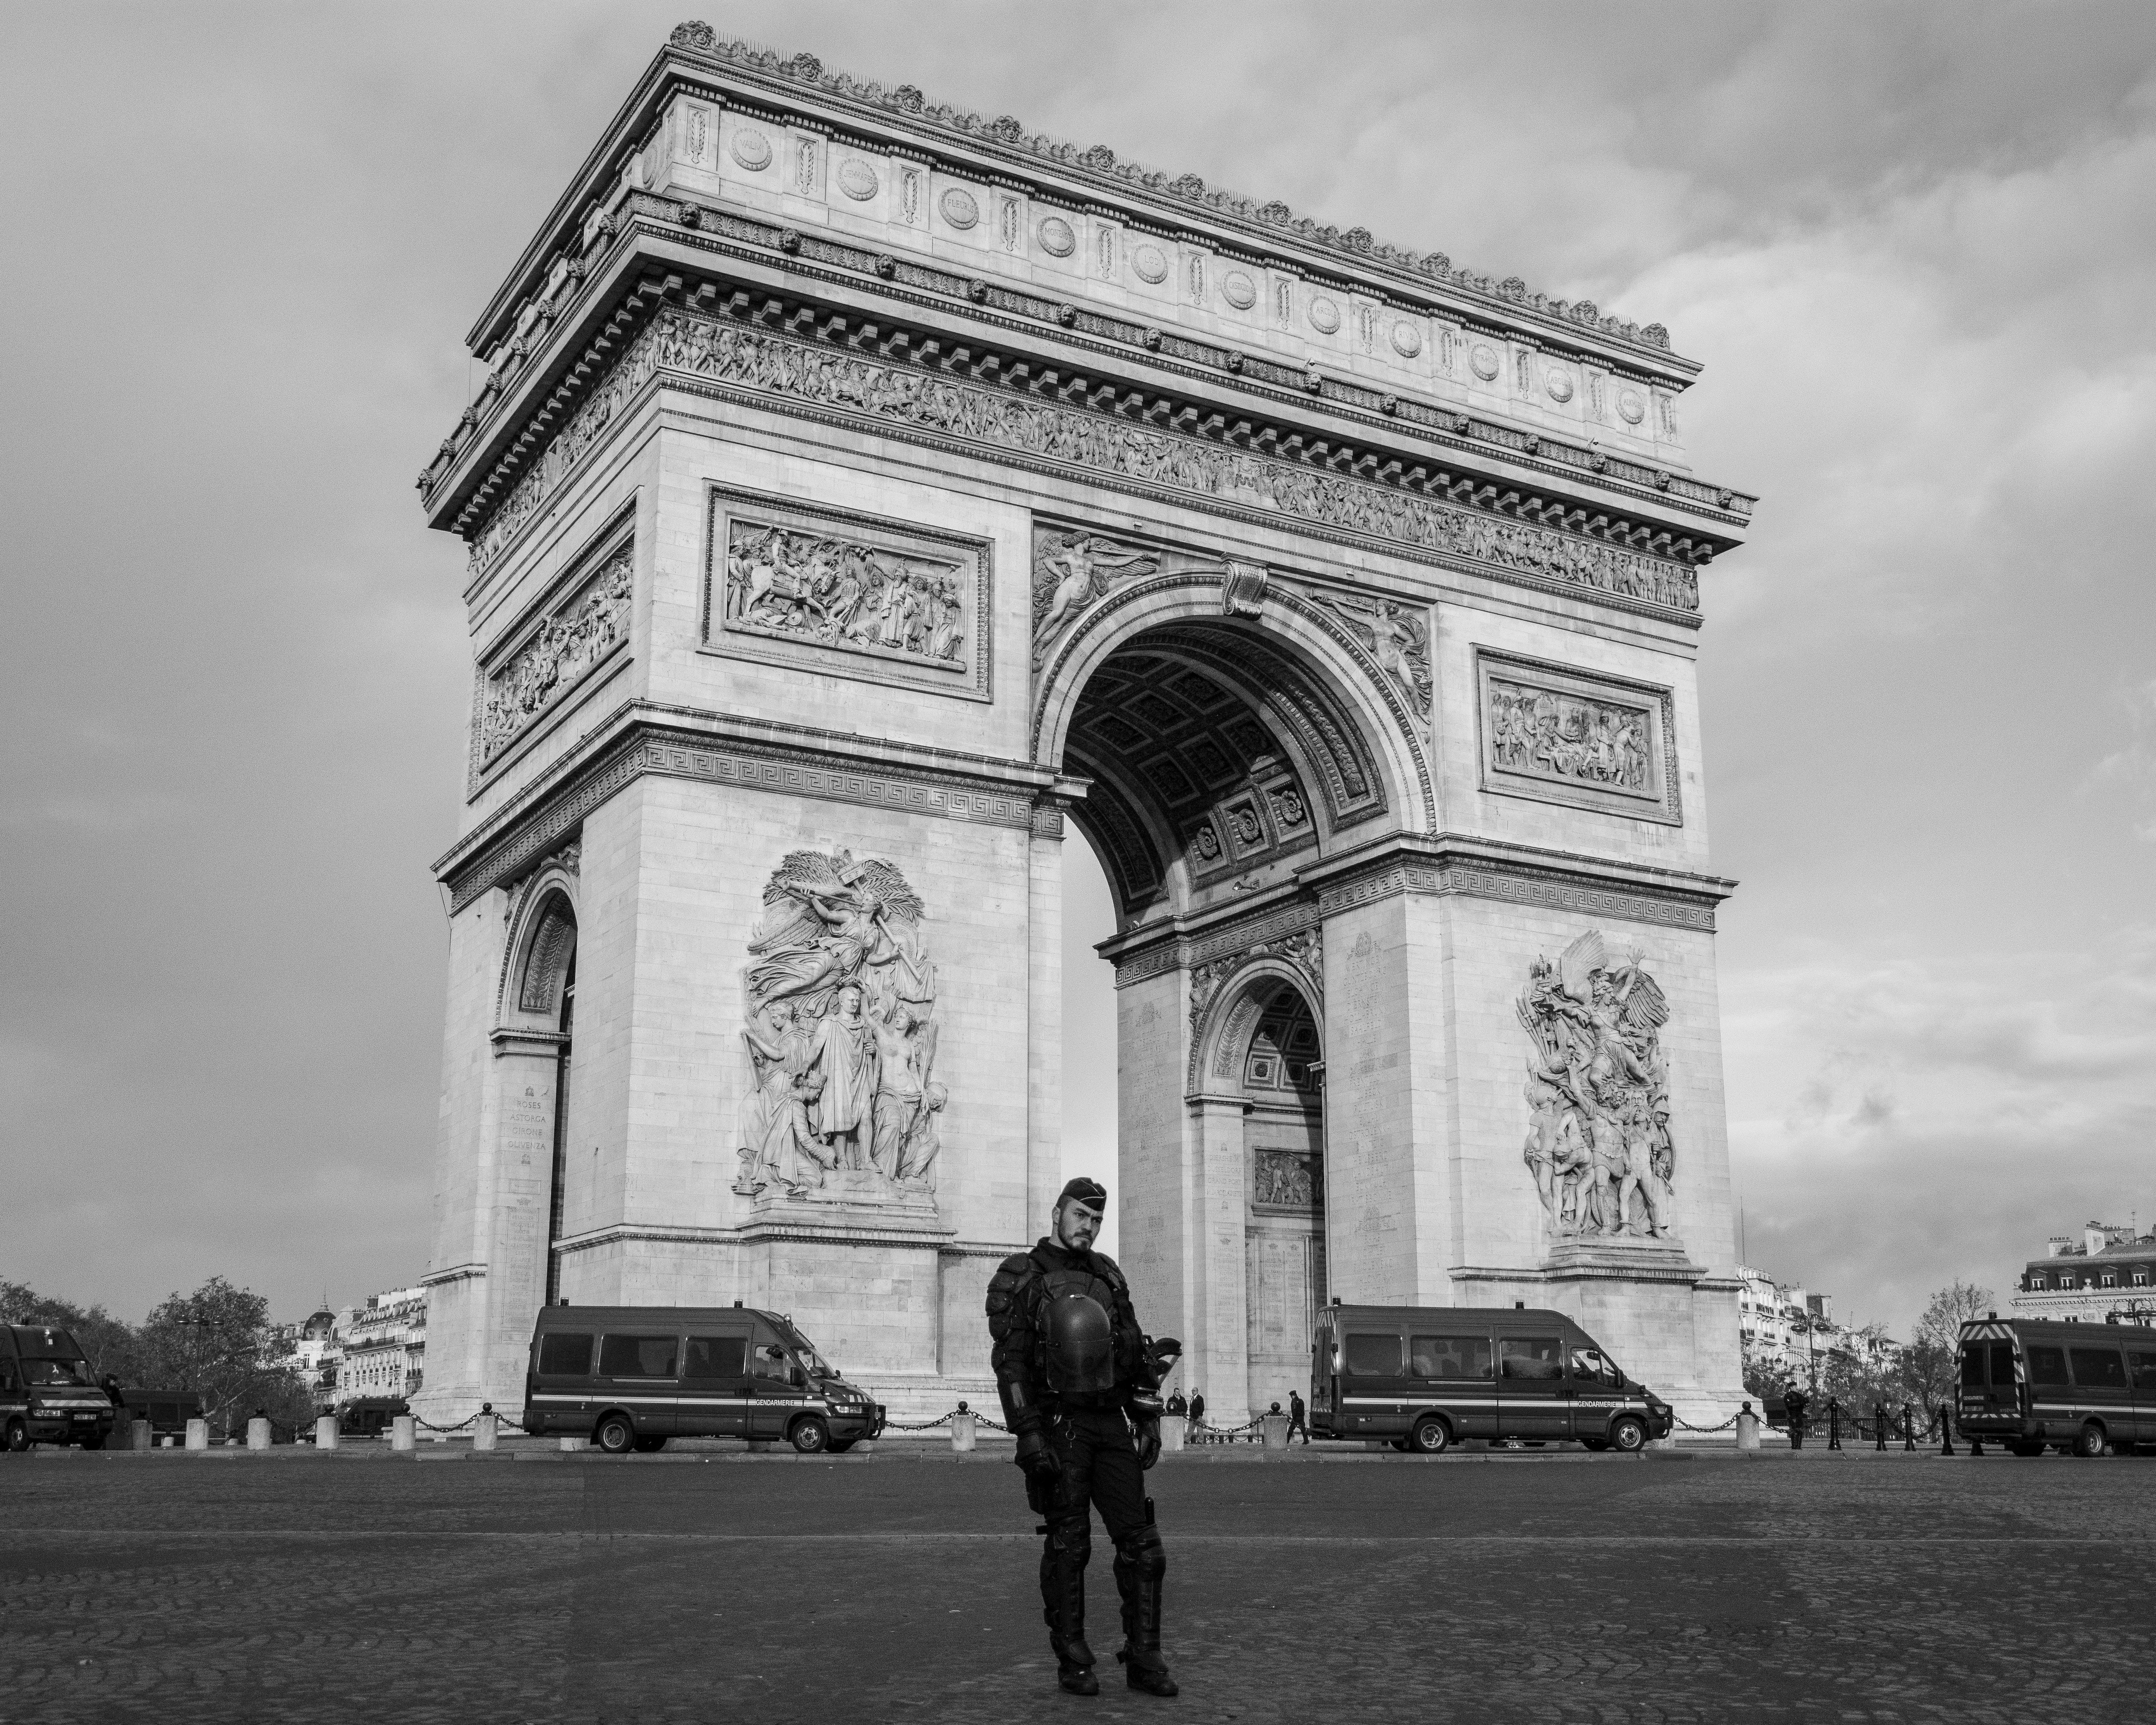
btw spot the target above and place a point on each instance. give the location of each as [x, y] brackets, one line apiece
[565, 1353]
[1588, 1367]
[2099, 1367]
[2145, 1371]
[1449, 1357]
[2047, 1366]
[1531, 1356]
[767, 1358]
[1373, 1356]
[716, 1356]
[637, 1356]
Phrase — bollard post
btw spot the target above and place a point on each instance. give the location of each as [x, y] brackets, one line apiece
[1908, 1430]
[962, 1433]
[1747, 1428]
[258, 1433]
[1275, 1429]
[198, 1433]
[403, 1433]
[326, 1431]
[1945, 1433]
[1833, 1423]
[484, 1430]
[139, 1436]
[1173, 1432]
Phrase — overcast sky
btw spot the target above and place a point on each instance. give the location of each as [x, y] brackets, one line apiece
[1912, 244]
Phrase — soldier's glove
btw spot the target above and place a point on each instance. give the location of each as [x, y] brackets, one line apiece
[1039, 1460]
[1148, 1436]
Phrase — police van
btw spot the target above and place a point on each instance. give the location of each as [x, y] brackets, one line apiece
[1425, 1377]
[631, 1377]
[47, 1394]
[2034, 1384]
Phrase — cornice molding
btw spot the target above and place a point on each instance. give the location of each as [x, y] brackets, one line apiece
[794, 760]
[1065, 427]
[697, 237]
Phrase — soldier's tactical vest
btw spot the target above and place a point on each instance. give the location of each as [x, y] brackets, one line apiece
[1077, 1333]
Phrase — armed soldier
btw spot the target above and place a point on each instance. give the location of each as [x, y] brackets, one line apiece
[1080, 1389]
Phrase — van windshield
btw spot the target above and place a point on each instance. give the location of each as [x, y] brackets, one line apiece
[811, 1361]
[70, 1372]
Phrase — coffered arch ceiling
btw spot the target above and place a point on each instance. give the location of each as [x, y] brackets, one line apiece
[1210, 746]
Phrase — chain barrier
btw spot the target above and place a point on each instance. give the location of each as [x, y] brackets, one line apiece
[1724, 1426]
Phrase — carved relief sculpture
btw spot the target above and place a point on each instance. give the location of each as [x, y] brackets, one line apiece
[843, 593]
[1567, 736]
[583, 630]
[1070, 571]
[1281, 1177]
[1396, 636]
[842, 1104]
[891, 393]
[1598, 1094]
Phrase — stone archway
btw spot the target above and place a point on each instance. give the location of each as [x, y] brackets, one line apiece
[1226, 753]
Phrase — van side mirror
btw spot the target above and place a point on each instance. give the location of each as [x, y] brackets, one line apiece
[797, 1376]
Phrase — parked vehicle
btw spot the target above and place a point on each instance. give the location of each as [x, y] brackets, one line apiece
[47, 1394]
[1426, 1377]
[167, 1411]
[633, 1376]
[2035, 1384]
[369, 1415]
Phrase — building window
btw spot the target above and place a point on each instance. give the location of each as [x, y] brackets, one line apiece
[2110, 1281]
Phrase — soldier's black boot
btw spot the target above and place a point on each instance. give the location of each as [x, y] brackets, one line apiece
[1063, 1559]
[1140, 1564]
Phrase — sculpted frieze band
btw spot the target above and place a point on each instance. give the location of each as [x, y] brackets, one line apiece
[1096, 443]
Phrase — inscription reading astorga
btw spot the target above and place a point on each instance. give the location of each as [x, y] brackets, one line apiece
[844, 593]
[585, 628]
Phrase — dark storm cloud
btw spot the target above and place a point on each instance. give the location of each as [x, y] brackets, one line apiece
[1912, 244]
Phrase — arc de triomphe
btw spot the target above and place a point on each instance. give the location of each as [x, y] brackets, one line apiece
[861, 493]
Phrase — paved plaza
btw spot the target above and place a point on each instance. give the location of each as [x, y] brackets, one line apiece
[1553, 1587]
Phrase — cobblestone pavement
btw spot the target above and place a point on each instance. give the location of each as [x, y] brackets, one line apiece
[1566, 1589]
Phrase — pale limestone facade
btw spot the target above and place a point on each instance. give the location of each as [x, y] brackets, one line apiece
[1221, 566]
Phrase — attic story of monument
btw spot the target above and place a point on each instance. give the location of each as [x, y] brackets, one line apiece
[862, 493]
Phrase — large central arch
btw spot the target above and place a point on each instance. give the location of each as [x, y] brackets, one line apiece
[1231, 735]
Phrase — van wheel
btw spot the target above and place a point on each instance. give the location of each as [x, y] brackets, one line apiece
[18, 1435]
[1429, 1438]
[1627, 1435]
[2089, 1440]
[810, 1435]
[615, 1435]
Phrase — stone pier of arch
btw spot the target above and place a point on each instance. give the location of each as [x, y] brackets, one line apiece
[843, 542]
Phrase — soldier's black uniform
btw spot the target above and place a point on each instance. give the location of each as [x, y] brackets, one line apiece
[1078, 1382]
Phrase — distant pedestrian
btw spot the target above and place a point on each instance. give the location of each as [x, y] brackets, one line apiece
[110, 1386]
[1178, 1407]
[1879, 1420]
[1296, 1420]
[1197, 1415]
[1794, 1401]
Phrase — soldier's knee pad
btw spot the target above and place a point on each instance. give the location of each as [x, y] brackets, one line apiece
[1071, 1539]
[1144, 1552]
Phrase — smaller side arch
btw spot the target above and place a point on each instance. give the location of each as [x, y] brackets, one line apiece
[542, 940]
[1227, 1017]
